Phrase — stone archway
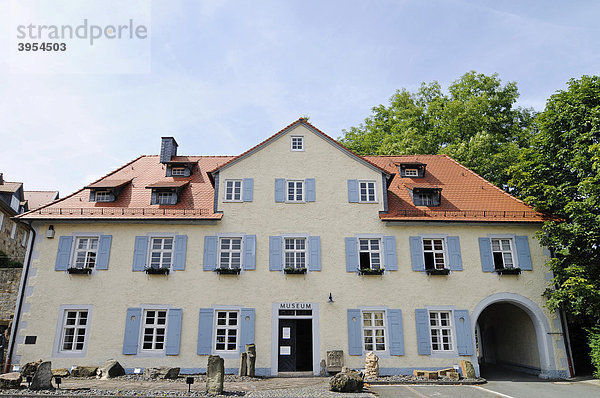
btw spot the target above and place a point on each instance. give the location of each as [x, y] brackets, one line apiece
[526, 314]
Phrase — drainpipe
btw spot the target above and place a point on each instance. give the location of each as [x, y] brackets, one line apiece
[17, 319]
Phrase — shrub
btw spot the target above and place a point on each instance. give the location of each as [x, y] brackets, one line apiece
[594, 342]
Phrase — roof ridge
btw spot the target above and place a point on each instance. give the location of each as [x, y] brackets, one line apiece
[82, 189]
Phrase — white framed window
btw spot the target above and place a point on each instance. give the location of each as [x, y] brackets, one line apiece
[230, 252]
[297, 143]
[13, 231]
[424, 199]
[15, 203]
[440, 327]
[294, 250]
[165, 198]
[502, 252]
[154, 330]
[85, 251]
[367, 191]
[161, 252]
[374, 330]
[227, 330]
[369, 251]
[411, 172]
[74, 331]
[434, 253]
[178, 171]
[24, 240]
[1, 221]
[103, 196]
[295, 191]
[233, 190]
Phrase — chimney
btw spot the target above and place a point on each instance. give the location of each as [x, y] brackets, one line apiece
[1, 178]
[168, 149]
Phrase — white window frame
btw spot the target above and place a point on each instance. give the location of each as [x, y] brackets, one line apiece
[295, 251]
[1, 221]
[368, 184]
[161, 251]
[512, 251]
[15, 203]
[227, 327]
[102, 196]
[294, 147]
[441, 328]
[371, 251]
[233, 198]
[443, 251]
[24, 240]
[13, 231]
[87, 250]
[230, 251]
[57, 350]
[145, 311]
[374, 328]
[295, 188]
[411, 172]
[428, 195]
[180, 172]
[160, 195]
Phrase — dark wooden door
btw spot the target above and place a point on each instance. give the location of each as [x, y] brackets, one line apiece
[287, 345]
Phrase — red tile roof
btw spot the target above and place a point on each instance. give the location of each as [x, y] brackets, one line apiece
[108, 183]
[37, 199]
[168, 184]
[465, 196]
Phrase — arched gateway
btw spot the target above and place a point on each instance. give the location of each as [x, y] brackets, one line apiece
[513, 330]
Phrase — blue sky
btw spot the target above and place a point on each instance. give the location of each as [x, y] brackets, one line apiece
[224, 75]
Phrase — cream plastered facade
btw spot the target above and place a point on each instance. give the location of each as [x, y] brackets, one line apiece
[110, 292]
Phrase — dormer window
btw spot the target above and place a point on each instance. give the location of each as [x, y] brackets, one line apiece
[297, 143]
[425, 196]
[411, 169]
[166, 198]
[166, 192]
[178, 171]
[106, 190]
[104, 196]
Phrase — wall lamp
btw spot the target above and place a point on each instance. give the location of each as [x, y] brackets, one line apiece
[50, 232]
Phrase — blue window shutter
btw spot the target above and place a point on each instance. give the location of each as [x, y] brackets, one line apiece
[179, 252]
[485, 251]
[111, 197]
[103, 252]
[173, 331]
[416, 253]
[132, 331]
[92, 196]
[154, 198]
[249, 252]
[309, 185]
[396, 333]
[353, 191]
[279, 190]
[169, 171]
[64, 253]
[205, 328]
[248, 189]
[247, 325]
[314, 252]
[454, 255]
[187, 172]
[523, 254]
[175, 197]
[354, 332]
[389, 250]
[211, 243]
[275, 255]
[351, 255]
[140, 251]
[464, 342]
[423, 338]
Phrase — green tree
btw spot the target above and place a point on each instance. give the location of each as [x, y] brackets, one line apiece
[560, 174]
[476, 123]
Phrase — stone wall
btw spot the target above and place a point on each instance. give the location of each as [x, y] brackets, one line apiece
[9, 289]
[14, 248]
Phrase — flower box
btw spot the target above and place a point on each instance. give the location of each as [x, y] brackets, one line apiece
[295, 270]
[157, 270]
[227, 271]
[80, 271]
[509, 271]
[443, 271]
[370, 271]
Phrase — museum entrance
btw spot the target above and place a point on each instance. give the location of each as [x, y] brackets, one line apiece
[295, 341]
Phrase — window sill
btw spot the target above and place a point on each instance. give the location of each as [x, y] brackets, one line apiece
[79, 271]
[295, 270]
[444, 271]
[228, 271]
[509, 271]
[157, 271]
[367, 271]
